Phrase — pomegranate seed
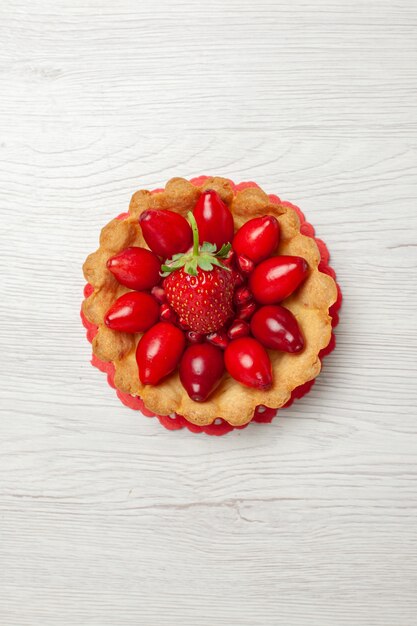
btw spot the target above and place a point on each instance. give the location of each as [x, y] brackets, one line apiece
[242, 296]
[219, 339]
[194, 337]
[238, 278]
[159, 294]
[246, 311]
[166, 314]
[182, 324]
[245, 265]
[238, 329]
[229, 260]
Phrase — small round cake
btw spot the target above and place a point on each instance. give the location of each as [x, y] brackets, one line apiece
[211, 303]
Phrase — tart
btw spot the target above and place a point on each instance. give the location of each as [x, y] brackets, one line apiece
[208, 300]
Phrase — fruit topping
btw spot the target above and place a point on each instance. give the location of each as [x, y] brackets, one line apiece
[159, 352]
[246, 311]
[242, 296]
[277, 278]
[214, 220]
[216, 308]
[238, 278]
[193, 337]
[248, 363]
[159, 294]
[199, 287]
[245, 264]
[257, 239]
[134, 312]
[166, 314]
[201, 370]
[229, 260]
[165, 232]
[238, 329]
[219, 339]
[136, 268]
[276, 328]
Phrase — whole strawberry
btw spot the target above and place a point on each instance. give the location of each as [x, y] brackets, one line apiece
[199, 287]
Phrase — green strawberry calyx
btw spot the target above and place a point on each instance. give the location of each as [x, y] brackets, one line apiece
[204, 257]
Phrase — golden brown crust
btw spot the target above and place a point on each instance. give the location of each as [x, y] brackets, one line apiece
[253, 202]
[221, 185]
[231, 401]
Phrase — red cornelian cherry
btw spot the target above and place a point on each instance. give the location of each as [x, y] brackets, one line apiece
[245, 264]
[238, 329]
[248, 362]
[201, 369]
[277, 278]
[134, 312]
[165, 232]
[136, 268]
[167, 314]
[218, 338]
[276, 328]
[246, 311]
[257, 239]
[159, 351]
[193, 337]
[159, 294]
[214, 220]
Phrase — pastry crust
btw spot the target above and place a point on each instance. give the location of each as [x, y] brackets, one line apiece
[232, 401]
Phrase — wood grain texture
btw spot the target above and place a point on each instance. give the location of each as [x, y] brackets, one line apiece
[107, 519]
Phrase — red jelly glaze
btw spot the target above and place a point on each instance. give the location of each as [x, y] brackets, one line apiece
[214, 220]
[159, 352]
[201, 369]
[257, 239]
[166, 232]
[262, 414]
[134, 312]
[277, 329]
[136, 268]
[277, 278]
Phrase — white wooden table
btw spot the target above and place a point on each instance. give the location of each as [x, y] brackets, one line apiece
[107, 519]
